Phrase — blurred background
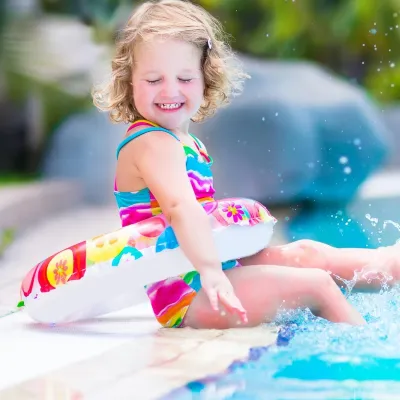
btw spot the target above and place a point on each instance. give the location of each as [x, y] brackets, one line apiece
[314, 136]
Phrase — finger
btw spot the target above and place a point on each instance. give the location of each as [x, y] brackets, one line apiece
[233, 305]
[213, 298]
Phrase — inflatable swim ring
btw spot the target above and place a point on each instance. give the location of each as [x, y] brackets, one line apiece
[105, 273]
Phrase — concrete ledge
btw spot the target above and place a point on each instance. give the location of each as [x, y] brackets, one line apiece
[149, 362]
[24, 205]
[385, 184]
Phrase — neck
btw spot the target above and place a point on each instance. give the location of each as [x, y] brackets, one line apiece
[183, 129]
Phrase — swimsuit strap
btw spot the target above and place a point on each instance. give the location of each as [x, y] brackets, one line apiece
[140, 122]
[151, 128]
[201, 148]
[196, 142]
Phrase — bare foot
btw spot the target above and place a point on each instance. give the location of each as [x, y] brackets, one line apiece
[383, 266]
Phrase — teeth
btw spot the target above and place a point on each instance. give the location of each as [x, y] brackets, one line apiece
[170, 106]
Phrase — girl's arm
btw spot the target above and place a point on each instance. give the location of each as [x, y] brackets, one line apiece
[160, 160]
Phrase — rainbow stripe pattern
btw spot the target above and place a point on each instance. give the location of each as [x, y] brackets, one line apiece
[170, 298]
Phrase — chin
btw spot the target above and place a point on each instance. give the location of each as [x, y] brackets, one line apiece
[171, 121]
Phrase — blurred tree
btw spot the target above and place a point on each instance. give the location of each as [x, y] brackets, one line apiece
[358, 39]
[3, 19]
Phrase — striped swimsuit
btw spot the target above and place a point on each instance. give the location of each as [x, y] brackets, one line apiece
[170, 298]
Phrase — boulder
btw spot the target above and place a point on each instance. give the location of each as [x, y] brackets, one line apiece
[83, 149]
[297, 133]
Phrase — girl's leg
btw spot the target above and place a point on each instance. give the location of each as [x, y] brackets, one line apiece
[341, 262]
[263, 289]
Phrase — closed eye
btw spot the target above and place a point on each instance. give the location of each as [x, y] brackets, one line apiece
[153, 82]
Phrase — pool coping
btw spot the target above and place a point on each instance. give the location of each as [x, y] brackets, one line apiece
[284, 335]
[22, 205]
[173, 358]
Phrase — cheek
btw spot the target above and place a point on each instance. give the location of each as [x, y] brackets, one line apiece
[142, 94]
[195, 91]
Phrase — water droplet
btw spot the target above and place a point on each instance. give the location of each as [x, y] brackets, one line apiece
[276, 114]
[390, 222]
[373, 220]
[343, 160]
[357, 142]
[392, 65]
[347, 170]
[263, 119]
[373, 31]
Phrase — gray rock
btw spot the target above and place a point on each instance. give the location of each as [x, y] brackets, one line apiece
[391, 116]
[297, 132]
[83, 149]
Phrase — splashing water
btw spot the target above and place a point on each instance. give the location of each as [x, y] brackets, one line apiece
[367, 275]
[390, 222]
[321, 360]
[373, 221]
[318, 359]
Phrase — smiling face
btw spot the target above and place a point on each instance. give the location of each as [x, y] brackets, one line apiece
[168, 84]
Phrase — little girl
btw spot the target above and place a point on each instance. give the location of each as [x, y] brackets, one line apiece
[172, 67]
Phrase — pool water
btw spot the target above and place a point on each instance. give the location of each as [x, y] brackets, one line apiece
[315, 359]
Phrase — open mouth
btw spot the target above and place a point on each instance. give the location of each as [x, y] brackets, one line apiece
[170, 106]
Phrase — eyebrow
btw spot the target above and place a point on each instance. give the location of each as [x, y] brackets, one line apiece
[154, 71]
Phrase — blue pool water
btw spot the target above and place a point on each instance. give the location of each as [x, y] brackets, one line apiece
[363, 223]
[315, 359]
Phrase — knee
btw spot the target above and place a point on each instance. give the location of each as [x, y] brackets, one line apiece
[322, 283]
[307, 253]
[309, 245]
[322, 277]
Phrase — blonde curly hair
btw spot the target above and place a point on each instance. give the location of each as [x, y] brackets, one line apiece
[178, 19]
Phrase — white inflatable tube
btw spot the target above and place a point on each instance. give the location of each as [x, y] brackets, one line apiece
[104, 285]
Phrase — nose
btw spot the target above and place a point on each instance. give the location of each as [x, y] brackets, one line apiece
[170, 88]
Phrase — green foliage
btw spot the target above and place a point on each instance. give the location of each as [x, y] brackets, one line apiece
[57, 104]
[358, 39]
[355, 38]
[6, 238]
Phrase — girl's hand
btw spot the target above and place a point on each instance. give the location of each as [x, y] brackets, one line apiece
[219, 289]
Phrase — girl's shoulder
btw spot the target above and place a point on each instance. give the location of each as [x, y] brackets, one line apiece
[138, 126]
[139, 129]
